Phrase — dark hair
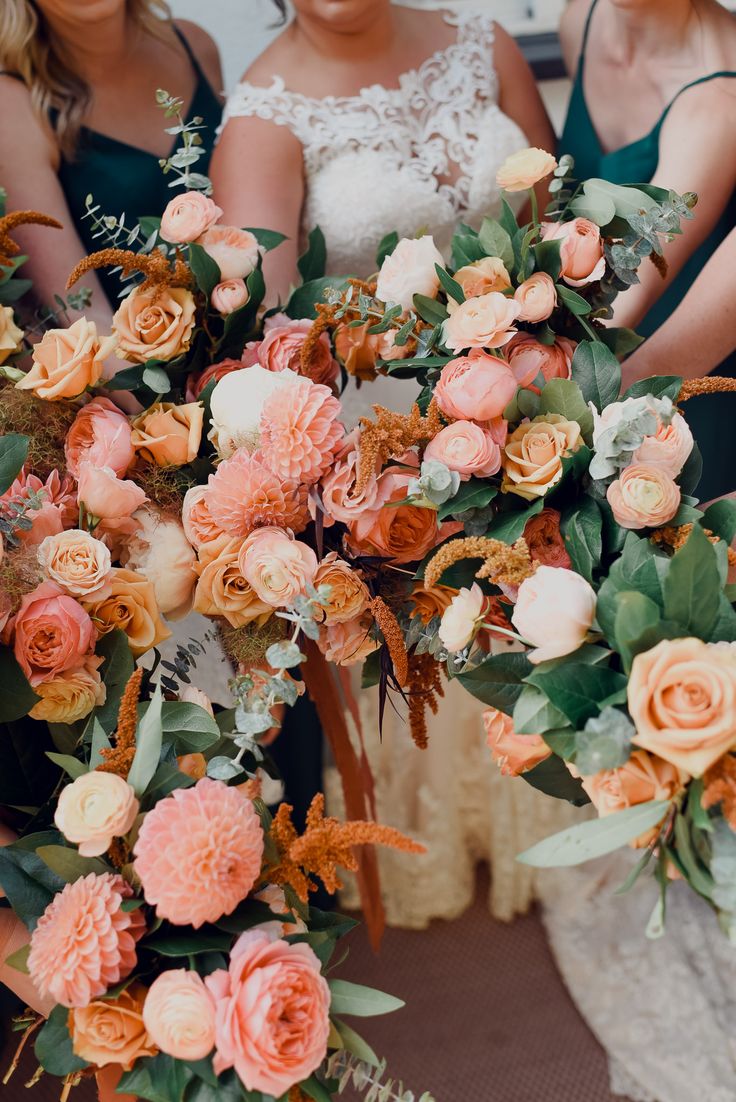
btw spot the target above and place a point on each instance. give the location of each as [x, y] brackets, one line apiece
[281, 5]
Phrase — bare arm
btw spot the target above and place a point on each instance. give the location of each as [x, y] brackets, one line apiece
[702, 331]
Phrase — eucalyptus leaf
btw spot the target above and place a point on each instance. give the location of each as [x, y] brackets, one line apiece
[69, 864]
[71, 765]
[13, 453]
[148, 745]
[360, 1001]
[595, 838]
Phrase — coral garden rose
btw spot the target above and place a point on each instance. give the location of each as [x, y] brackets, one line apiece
[682, 699]
[222, 589]
[301, 432]
[360, 350]
[187, 217]
[347, 642]
[487, 321]
[513, 754]
[11, 337]
[278, 567]
[581, 252]
[537, 297]
[154, 324]
[95, 808]
[58, 509]
[167, 434]
[643, 496]
[84, 942]
[67, 361]
[529, 358]
[229, 296]
[106, 496]
[554, 611]
[532, 459]
[161, 552]
[282, 347]
[480, 278]
[461, 619]
[669, 448]
[477, 387]
[53, 633]
[179, 1015]
[244, 493]
[525, 168]
[197, 381]
[285, 1039]
[112, 1031]
[410, 270]
[100, 435]
[544, 539]
[234, 251]
[339, 499]
[348, 597]
[71, 695]
[402, 533]
[198, 853]
[130, 606]
[236, 404]
[199, 527]
[466, 448]
[642, 778]
[77, 562]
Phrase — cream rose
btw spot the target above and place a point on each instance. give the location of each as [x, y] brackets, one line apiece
[410, 270]
[483, 322]
[77, 562]
[348, 594]
[532, 459]
[187, 217]
[536, 297]
[154, 325]
[67, 361]
[669, 448]
[94, 809]
[234, 251]
[643, 497]
[179, 1015]
[161, 552]
[554, 611]
[461, 620]
[236, 403]
[525, 168]
[11, 337]
[71, 695]
[278, 567]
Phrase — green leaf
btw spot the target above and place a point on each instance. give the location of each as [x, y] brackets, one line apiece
[157, 1079]
[579, 690]
[156, 379]
[547, 257]
[386, 246]
[597, 372]
[73, 766]
[466, 249]
[692, 586]
[205, 269]
[476, 493]
[313, 262]
[451, 286]
[636, 872]
[498, 680]
[267, 239]
[720, 519]
[582, 531]
[148, 745]
[171, 942]
[28, 883]
[353, 1042]
[534, 714]
[370, 673]
[636, 614]
[574, 302]
[315, 1089]
[496, 240]
[621, 341]
[165, 780]
[690, 475]
[115, 672]
[700, 817]
[434, 313]
[698, 877]
[188, 726]
[69, 863]
[509, 525]
[19, 959]
[360, 1001]
[100, 742]
[53, 1046]
[16, 695]
[596, 207]
[553, 778]
[303, 299]
[565, 397]
[13, 453]
[659, 386]
[588, 840]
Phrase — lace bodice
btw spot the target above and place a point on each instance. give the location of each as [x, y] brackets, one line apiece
[424, 154]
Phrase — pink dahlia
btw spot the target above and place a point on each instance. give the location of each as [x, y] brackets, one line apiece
[199, 853]
[84, 942]
[244, 493]
[300, 432]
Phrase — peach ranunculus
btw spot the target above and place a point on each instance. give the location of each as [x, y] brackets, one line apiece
[642, 778]
[106, 496]
[234, 251]
[410, 270]
[222, 590]
[525, 168]
[486, 321]
[95, 808]
[11, 337]
[229, 296]
[339, 499]
[156, 324]
[52, 633]
[480, 278]
[270, 1051]
[131, 606]
[669, 448]
[528, 357]
[554, 611]
[161, 552]
[477, 387]
[187, 217]
[179, 1015]
[643, 496]
[348, 642]
[282, 346]
[59, 509]
[544, 540]
[77, 562]
[168, 434]
[466, 448]
[581, 252]
[402, 533]
[278, 567]
[71, 695]
[462, 618]
[197, 381]
[67, 361]
[513, 754]
[682, 699]
[537, 297]
[199, 527]
[532, 460]
[360, 350]
[348, 597]
[111, 1031]
[100, 434]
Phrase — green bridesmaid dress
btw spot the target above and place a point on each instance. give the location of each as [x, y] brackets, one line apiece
[712, 418]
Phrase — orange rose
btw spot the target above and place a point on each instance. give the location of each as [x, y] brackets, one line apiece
[111, 1031]
[222, 589]
[682, 699]
[67, 361]
[131, 606]
[643, 778]
[348, 594]
[167, 434]
[71, 695]
[514, 754]
[154, 325]
[403, 533]
[428, 603]
[359, 350]
[532, 461]
[348, 643]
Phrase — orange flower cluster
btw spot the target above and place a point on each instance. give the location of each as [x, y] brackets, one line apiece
[390, 435]
[394, 637]
[9, 222]
[710, 384]
[678, 537]
[720, 788]
[321, 324]
[155, 266]
[424, 687]
[119, 758]
[501, 562]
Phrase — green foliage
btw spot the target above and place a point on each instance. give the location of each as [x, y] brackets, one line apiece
[553, 778]
[28, 882]
[53, 1046]
[205, 269]
[476, 493]
[267, 239]
[597, 372]
[579, 690]
[16, 695]
[303, 299]
[68, 864]
[509, 524]
[116, 672]
[692, 586]
[535, 715]
[588, 840]
[583, 534]
[13, 452]
[188, 727]
[359, 1001]
[497, 241]
[386, 246]
[498, 680]
[565, 397]
[313, 262]
[149, 737]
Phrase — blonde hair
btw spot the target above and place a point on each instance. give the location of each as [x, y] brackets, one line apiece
[59, 95]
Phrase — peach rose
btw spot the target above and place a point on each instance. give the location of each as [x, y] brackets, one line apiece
[537, 297]
[72, 695]
[53, 633]
[554, 611]
[234, 251]
[402, 533]
[581, 253]
[11, 337]
[528, 358]
[160, 551]
[360, 350]
[643, 778]
[67, 361]
[348, 597]
[179, 1015]
[669, 448]
[222, 589]
[168, 434]
[410, 270]
[513, 754]
[154, 325]
[196, 382]
[466, 448]
[463, 617]
[282, 346]
[94, 809]
[100, 434]
[525, 168]
[682, 699]
[229, 296]
[346, 643]
[483, 322]
[544, 540]
[187, 217]
[77, 562]
[477, 387]
[106, 496]
[480, 278]
[532, 460]
[278, 567]
[111, 1031]
[199, 527]
[643, 496]
[131, 606]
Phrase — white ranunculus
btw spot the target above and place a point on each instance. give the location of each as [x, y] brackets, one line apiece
[236, 404]
[161, 552]
[554, 610]
[410, 270]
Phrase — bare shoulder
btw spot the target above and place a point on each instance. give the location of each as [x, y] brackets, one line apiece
[20, 125]
[572, 31]
[708, 110]
[205, 50]
[274, 60]
[507, 55]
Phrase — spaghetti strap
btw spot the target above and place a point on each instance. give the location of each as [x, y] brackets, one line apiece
[189, 52]
[586, 34]
[727, 73]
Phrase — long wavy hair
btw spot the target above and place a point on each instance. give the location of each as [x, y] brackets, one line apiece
[59, 95]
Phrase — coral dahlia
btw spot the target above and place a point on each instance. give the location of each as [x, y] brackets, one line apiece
[300, 432]
[244, 493]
